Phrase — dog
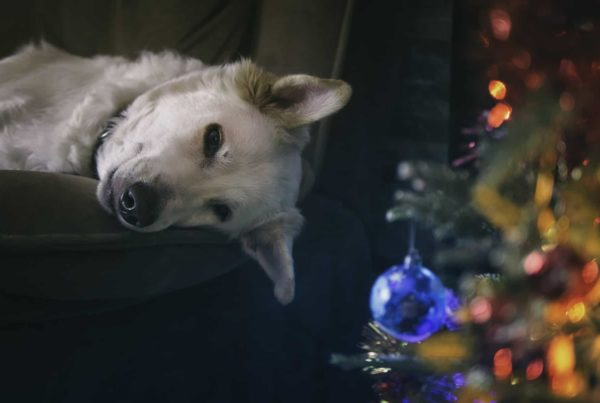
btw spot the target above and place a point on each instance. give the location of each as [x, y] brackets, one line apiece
[172, 141]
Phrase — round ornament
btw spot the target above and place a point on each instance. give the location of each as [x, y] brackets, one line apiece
[408, 301]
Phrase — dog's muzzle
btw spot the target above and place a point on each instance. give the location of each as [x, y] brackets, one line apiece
[139, 205]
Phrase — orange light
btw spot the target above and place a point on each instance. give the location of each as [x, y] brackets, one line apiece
[569, 385]
[568, 70]
[497, 89]
[576, 312]
[544, 187]
[534, 262]
[501, 24]
[498, 114]
[503, 363]
[481, 310]
[534, 81]
[522, 60]
[567, 101]
[560, 356]
[534, 370]
[589, 273]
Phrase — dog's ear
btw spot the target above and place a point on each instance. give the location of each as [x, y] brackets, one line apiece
[270, 244]
[297, 100]
[294, 100]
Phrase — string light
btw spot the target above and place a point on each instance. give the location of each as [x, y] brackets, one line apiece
[497, 89]
[576, 311]
[498, 114]
[561, 355]
[481, 310]
[503, 363]
[533, 263]
[534, 370]
[501, 24]
[589, 273]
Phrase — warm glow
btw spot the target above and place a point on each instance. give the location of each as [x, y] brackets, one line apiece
[555, 313]
[534, 262]
[442, 349]
[534, 370]
[501, 24]
[534, 81]
[561, 356]
[576, 312]
[498, 114]
[545, 221]
[497, 89]
[522, 60]
[481, 310]
[589, 273]
[568, 70]
[544, 187]
[503, 363]
[569, 385]
[567, 101]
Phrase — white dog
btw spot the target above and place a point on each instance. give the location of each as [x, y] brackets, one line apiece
[172, 141]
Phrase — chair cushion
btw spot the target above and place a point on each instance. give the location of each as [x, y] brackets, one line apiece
[57, 242]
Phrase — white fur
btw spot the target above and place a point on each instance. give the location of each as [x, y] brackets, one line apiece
[53, 106]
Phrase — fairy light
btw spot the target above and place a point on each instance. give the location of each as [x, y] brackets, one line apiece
[522, 60]
[566, 101]
[498, 114]
[534, 370]
[561, 355]
[497, 89]
[576, 312]
[501, 24]
[481, 310]
[543, 188]
[589, 273]
[533, 263]
[569, 385]
[534, 81]
[503, 363]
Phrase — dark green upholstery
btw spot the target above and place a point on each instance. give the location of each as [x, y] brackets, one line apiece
[63, 246]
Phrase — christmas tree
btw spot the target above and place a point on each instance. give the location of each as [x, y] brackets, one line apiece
[519, 213]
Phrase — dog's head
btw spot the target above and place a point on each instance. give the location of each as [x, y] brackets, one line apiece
[219, 148]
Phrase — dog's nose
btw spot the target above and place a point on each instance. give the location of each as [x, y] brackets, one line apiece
[139, 204]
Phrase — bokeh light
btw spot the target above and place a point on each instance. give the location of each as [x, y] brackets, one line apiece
[567, 102]
[589, 273]
[497, 89]
[534, 262]
[481, 310]
[534, 370]
[498, 114]
[503, 363]
[561, 355]
[576, 311]
[501, 24]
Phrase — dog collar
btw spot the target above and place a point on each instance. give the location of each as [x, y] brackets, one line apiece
[106, 132]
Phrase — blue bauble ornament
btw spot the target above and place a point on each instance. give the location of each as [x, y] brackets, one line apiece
[408, 301]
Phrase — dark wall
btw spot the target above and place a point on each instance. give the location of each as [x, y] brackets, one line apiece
[398, 62]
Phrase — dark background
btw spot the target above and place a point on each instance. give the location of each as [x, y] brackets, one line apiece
[399, 64]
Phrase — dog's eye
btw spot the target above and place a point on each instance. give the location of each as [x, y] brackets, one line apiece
[213, 139]
[222, 211]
